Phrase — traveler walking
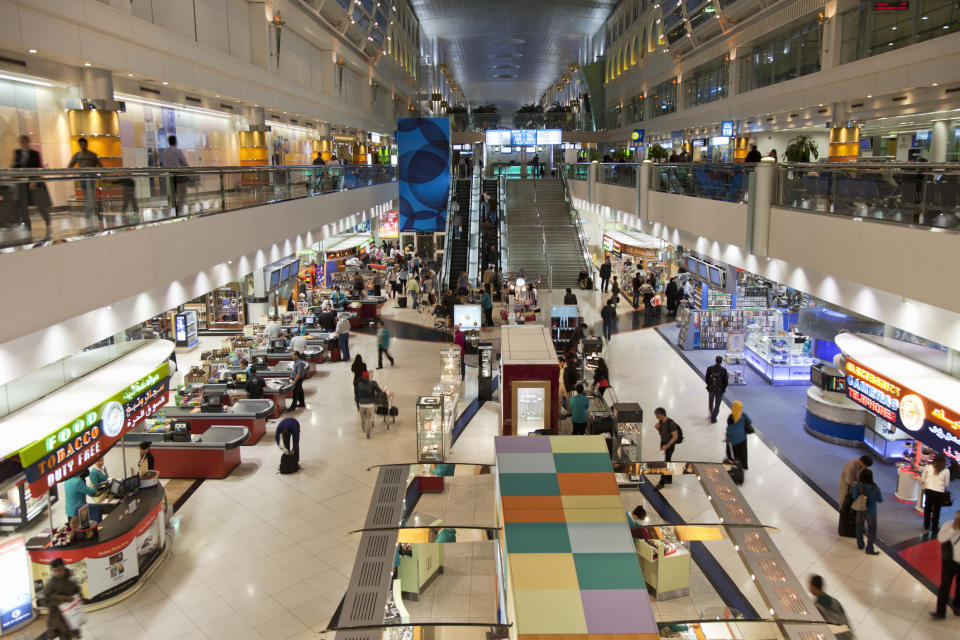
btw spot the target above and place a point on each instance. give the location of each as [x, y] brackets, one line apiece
[717, 380]
[570, 378]
[392, 281]
[31, 193]
[59, 589]
[647, 290]
[579, 406]
[609, 315]
[383, 344]
[949, 539]
[673, 296]
[738, 427]
[460, 341]
[615, 291]
[289, 432]
[753, 155]
[637, 283]
[297, 375]
[829, 608]
[413, 288]
[367, 392]
[669, 433]
[569, 297]
[86, 159]
[866, 495]
[851, 475]
[936, 479]
[343, 336]
[170, 158]
[605, 274]
[357, 368]
[486, 303]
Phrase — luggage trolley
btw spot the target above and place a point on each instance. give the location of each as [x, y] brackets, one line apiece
[385, 408]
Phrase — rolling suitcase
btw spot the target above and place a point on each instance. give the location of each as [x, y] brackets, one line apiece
[736, 470]
[847, 526]
[335, 354]
[402, 302]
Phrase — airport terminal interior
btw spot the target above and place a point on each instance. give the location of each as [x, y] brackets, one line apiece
[479, 320]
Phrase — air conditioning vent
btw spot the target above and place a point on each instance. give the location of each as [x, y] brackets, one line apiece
[856, 105]
[952, 90]
[228, 107]
[794, 115]
[822, 110]
[13, 61]
[900, 98]
[155, 92]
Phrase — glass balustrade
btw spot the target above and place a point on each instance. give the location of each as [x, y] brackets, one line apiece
[727, 182]
[38, 206]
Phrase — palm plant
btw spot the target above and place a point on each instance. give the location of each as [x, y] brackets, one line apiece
[800, 149]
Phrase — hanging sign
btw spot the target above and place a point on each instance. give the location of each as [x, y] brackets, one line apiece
[76, 445]
[929, 422]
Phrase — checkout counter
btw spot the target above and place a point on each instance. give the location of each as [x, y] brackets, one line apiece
[120, 553]
[178, 453]
[243, 412]
[312, 356]
[279, 387]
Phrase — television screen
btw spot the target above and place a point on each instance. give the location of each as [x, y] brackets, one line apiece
[866, 144]
[285, 273]
[702, 269]
[275, 279]
[506, 150]
[467, 316]
[294, 268]
[181, 427]
[691, 265]
[715, 277]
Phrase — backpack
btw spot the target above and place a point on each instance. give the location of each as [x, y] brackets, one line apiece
[288, 463]
[715, 381]
[679, 433]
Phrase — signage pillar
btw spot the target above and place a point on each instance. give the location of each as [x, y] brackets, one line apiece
[644, 182]
[760, 198]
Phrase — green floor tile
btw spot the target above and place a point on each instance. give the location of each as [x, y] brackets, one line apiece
[583, 462]
[578, 444]
[608, 571]
[529, 484]
[537, 537]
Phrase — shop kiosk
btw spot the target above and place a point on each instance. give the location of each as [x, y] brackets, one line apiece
[485, 371]
[530, 380]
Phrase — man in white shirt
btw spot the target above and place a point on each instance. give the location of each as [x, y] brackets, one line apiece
[172, 157]
[343, 336]
[273, 330]
[298, 343]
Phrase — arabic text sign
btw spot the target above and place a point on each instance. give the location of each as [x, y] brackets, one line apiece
[929, 422]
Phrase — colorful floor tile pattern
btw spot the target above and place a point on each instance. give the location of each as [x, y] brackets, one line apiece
[573, 567]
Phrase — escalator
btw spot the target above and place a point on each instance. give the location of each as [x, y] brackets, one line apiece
[459, 248]
[489, 186]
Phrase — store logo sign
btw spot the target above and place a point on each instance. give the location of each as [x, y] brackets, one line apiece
[933, 424]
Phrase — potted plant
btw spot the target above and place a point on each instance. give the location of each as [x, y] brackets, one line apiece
[528, 116]
[656, 153]
[800, 149]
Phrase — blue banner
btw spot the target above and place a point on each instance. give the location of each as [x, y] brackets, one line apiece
[424, 164]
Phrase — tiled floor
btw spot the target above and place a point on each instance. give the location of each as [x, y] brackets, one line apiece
[264, 556]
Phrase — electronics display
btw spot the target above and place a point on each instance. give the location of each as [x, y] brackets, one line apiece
[294, 268]
[703, 270]
[531, 409]
[522, 137]
[278, 345]
[779, 358]
[131, 484]
[181, 427]
[284, 273]
[467, 316]
[275, 278]
[691, 264]
[430, 431]
[716, 276]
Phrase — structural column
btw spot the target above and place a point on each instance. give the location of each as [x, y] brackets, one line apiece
[939, 139]
[761, 198]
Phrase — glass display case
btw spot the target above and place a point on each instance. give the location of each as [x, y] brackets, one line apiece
[629, 421]
[450, 365]
[531, 405]
[782, 358]
[431, 439]
[450, 394]
[886, 440]
[485, 372]
[19, 508]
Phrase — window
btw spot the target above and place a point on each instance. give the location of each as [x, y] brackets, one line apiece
[635, 109]
[707, 83]
[785, 57]
[664, 99]
[643, 45]
[633, 49]
[866, 32]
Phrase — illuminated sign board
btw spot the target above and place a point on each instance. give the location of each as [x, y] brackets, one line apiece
[637, 135]
[76, 445]
[929, 422]
[727, 128]
[891, 6]
[389, 226]
[16, 598]
[522, 137]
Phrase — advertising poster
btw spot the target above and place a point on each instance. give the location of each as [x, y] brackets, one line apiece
[112, 570]
[389, 224]
[468, 316]
[16, 601]
[424, 173]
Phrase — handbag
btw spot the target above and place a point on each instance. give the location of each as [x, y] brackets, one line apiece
[748, 427]
[947, 499]
[72, 613]
[860, 503]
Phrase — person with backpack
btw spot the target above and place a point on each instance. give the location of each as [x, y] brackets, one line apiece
[289, 432]
[717, 381]
[949, 539]
[609, 316]
[367, 392]
[738, 426]
[829, 608]
[866, 495]
[670, 436]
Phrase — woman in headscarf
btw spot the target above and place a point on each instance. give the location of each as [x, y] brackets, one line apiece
[738, 426]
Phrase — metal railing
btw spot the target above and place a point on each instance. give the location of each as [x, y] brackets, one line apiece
[576, 171]
[502, 221]
[620, 174]
[715, 181]
[79, 202]
[575, 217]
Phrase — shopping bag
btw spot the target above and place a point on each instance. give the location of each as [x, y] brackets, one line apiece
[72, 613]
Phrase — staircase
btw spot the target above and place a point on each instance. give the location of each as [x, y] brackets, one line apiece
[458, 248]
[524, 234]
[526, 238]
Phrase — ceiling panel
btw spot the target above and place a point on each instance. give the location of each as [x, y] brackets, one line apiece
[528, 43]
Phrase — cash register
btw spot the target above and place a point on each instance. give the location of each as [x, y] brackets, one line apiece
[278, 345]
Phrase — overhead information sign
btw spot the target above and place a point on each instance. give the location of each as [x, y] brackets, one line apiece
[523, 137]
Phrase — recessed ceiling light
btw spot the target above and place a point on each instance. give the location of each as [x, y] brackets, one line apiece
[936, 84]
[31, 50]
[218, 95]
[87, 64]
[869, 95]
[165, 83]
[129, 75]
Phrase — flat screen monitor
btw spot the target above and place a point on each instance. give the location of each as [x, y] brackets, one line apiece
[131, 484]
[116, 488]
[506, 150]
[692, 265]
[275, 278]
[468, 316]
[564, 311]
[702, 270]
[278, 345]
[310, 320]
[715, 277]
[212, 399]
[240, 377]
[294, 268]
[285, 273]
[181, 427]
[866, 144]
[260, 360]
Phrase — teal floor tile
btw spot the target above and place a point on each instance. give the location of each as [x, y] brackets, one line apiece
[537, 537]
[608, 571]
[582, 463]
[529, 484]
